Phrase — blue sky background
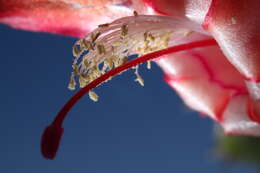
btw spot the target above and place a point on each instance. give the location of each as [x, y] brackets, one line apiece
[130, 130]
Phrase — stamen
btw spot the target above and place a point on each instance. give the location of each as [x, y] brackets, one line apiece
[124, 30]
[88, 68]
[82, 81]
[196, 44]
[138, 79]
[75, 51]
[87, 44]
[94, 36]
[93, 96]
[101, 49]
[149, 65]
[135, 13]
[75, 69]
[188, 33]
[103, 25]
[120, 61]
[118, 43]
[110, 45]
[72, 83]
[61, 115]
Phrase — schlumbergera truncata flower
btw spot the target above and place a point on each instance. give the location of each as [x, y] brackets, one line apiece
[208, 50]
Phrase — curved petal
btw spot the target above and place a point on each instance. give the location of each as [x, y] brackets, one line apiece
[209, 84]
[194, 10]
[68, 17]
[234, 24]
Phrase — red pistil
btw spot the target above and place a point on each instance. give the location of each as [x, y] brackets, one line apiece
[53, 133]
[51, 141]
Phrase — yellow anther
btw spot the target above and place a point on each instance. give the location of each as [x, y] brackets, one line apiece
[87, 44]
[188, 33]
[124, 30]
[82, 81]
[151, 37]
[94, 36]
[135, 13]
[90, 78]
[86, 77]
[75, 69]
[103, 25]
[93, 96]
[101, 49]
[148, 37]
[86, 62]
[72, 83]
[120, 61]
[75, 51]
[145, 36]
[109, 62]
[118, 43]
[96, 72]
[140, 80]
[123, 60]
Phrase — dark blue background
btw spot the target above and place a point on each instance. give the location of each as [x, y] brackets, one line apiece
[130, 130]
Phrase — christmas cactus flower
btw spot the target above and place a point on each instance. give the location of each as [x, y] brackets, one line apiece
[208, 50]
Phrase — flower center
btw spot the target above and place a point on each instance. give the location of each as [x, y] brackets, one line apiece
[114, 44]
[110, 50]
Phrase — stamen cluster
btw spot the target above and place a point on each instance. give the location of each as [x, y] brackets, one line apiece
[114, 44]
[112, 49]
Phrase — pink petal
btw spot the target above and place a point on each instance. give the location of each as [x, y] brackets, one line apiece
[194, 10]
[205, 80]
[209, 84]
[68, 17]
[234, 24]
